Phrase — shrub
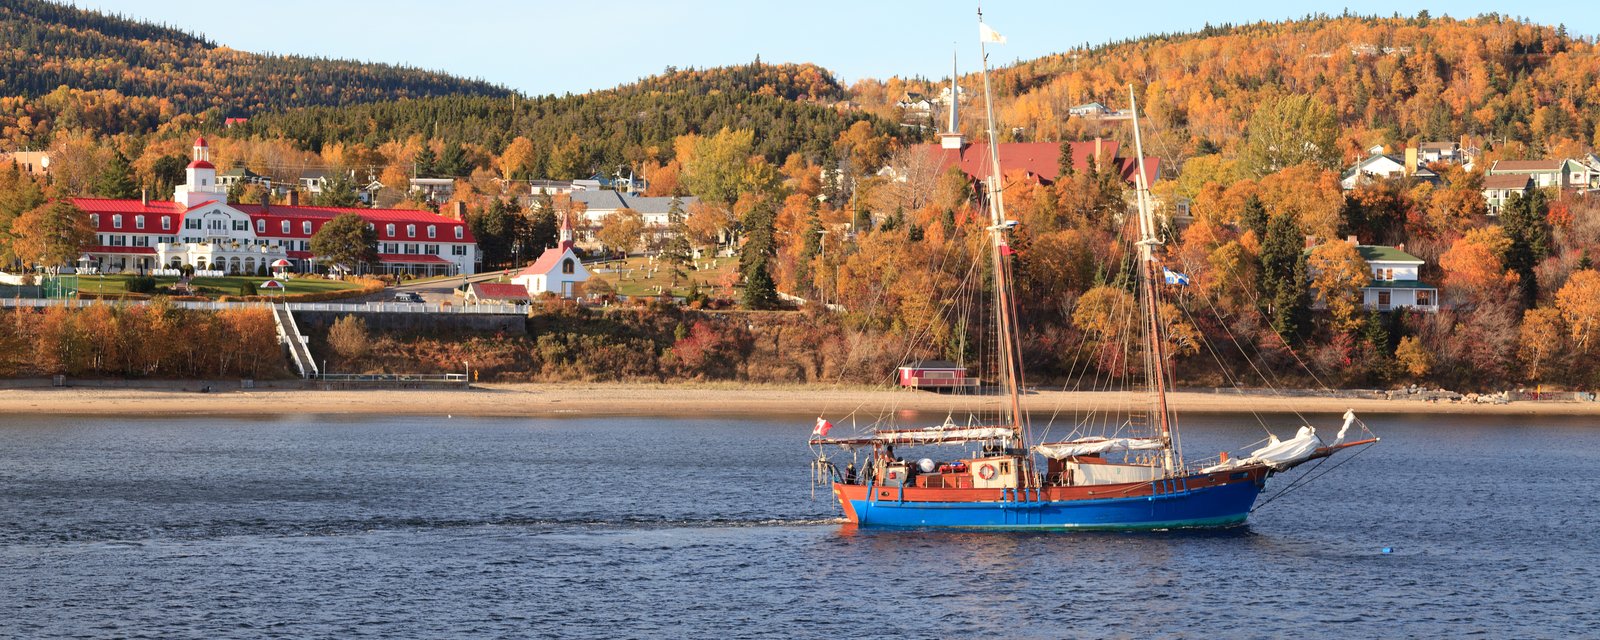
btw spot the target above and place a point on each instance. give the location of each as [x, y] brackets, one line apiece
[349, 337]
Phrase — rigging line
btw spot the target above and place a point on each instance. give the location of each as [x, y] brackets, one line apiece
[1307, 481]
[1265, 379]
[1255, 301]
[1226, 374]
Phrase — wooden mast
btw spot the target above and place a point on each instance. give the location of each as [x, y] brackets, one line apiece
[1005, 312]
[1155, 356]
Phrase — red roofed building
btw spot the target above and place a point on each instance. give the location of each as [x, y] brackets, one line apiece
[558, 270]
[200, 228]
[487, 292]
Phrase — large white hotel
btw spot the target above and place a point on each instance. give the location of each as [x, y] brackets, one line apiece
[199, 227]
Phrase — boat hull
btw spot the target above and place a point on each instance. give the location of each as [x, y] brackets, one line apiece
[1220, 500]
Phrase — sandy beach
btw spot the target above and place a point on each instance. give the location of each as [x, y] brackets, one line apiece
[549, 400]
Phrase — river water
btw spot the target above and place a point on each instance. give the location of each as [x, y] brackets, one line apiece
[310, 526]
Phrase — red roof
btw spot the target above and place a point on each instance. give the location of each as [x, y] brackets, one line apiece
[201, 164]
[200, 142]
[142, 251]
[298, 255]
[1526, 165]
[1040, 160]
[1507, 181]
[499, 291]
[546, 263]
[406, 258]
[444, 228]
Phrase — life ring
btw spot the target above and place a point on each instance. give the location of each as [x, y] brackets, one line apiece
[986, 472]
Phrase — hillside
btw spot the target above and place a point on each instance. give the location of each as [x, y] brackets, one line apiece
[1387, 79]
[51, 45]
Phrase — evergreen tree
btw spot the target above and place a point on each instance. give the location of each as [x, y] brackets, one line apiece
[1523, 220]
[1254, 217]
[863, 219]
[676, 252]
[453, 162]
[168, 172]
[496, 230]
[338, 190]
[1284, 277]
[760, 292]
[423, 164]
[1064, 162]
[116, 180]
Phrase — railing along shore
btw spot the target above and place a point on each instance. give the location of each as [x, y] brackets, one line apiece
[346, 307]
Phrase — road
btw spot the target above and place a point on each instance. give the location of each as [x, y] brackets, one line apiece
[432, 291]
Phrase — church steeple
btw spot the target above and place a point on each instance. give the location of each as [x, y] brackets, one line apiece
[200, 183]
[566, 232]
[951, 137]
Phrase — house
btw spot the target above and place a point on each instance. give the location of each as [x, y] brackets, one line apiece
[1545, 173]
[434, 190]
[1373, 167]
[1394, 280]
[935, 374]
[915, 103]
[558, 270]
[1498, 189]
[599, 182]
[497, 293]
[599, 205]
[1576, 174]
[33, 163]
[1592, 161]
[313, 180]
[241, 175]
[200, 228]
[1448, 152]
[1090, 110]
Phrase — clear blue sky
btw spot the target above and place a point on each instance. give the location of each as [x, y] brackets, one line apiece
[559, 47]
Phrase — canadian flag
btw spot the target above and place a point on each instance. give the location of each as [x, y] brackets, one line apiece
[822, 428]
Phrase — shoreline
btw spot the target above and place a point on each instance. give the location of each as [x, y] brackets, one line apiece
[684, 400]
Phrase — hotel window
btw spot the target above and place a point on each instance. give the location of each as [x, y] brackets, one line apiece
[458, 249]
[388, 230]
[305, 227]
[411, 231]
[261, 226]
[116, 221]
[216, 225]
[138, 222]
[166, 223]
[430, 249]
[141, 241]
[459, 234]
[285, 226]
[94, 219]
[191, 223]
[410, 249]
[433, 232]
[241, 225]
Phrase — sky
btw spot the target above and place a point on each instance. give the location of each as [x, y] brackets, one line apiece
[573, 47]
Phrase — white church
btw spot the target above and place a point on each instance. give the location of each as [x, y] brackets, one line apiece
[558, 270]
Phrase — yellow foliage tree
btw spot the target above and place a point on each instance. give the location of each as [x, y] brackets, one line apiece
[1579, 302]
[1540, 339]
[1338, 273]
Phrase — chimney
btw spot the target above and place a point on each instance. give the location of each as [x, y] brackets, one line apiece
[459, 212]
[1311, 241]
[144, 197]
[294, 197]
[1400, 247]
[1411, 160]
[266, 200]
[1352, 240]
[1097, 149]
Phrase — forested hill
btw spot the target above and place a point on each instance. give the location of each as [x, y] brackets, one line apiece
[1388, 79]
[50, 45]
[576, 134]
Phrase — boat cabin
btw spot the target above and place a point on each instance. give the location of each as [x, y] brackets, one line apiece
[935, 374]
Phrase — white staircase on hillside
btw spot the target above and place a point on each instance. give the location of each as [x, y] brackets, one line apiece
[289, 335]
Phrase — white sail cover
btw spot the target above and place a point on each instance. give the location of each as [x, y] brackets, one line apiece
[1090, 446]
[940, 434]
[1278, 454]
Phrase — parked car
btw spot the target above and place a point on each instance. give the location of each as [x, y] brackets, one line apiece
[408, 296]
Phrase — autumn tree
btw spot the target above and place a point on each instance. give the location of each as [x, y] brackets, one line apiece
[1338, 273]
[1579, 303]
[1540, 340]
[51, 235]
[346, 241]
[1291, 129]
[517, 159]
[349, 337]
[721, 167]
[1413, 357]
[18, 195]
[1474, 266]
[621, 230]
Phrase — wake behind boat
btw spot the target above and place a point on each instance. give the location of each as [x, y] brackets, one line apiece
[1134, 477]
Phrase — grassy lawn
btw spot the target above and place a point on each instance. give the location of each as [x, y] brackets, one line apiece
[227, 285]
[632, 277]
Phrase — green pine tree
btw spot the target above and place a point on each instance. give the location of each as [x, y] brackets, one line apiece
[424, 162]
[116, 180]
[676, 252]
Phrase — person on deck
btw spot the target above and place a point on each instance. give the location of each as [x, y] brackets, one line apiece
[850, 473]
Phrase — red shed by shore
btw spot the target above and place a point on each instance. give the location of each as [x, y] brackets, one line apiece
[935, 374]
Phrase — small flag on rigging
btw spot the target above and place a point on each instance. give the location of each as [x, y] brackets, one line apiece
[1173, 277]
[1006, 250]
[989, 35]
[822, 428]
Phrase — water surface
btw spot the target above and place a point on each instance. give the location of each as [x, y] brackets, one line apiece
[312, 526]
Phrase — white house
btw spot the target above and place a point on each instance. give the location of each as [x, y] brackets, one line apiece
[1499, 188]
[1394, 280]
[1090, 110]
[1374, 167]
[1545, 173]
[599, 205]
[1431, 152]
[558, 270]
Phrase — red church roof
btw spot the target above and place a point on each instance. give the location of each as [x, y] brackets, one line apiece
[200, 142]
[500, 291]
[546, 263]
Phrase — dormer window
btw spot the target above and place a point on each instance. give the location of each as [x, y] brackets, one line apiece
[166, 223]
[433, 232]
[388, 230]
[94, 219]
[261, 226]
[305, 227]
[138, 222]
[285, 226]
[459, 233]
[411, 231]
[116, 221]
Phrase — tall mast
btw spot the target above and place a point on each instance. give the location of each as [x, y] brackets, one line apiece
[1005, 312]
[1155, 358]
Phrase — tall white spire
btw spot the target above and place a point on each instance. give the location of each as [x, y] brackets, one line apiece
[951, 137]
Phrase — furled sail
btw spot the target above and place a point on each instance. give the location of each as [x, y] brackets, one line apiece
[943, 434]
[1090, 446]
[1279, 454]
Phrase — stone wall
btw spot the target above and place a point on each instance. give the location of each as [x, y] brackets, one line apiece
[516, 324]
